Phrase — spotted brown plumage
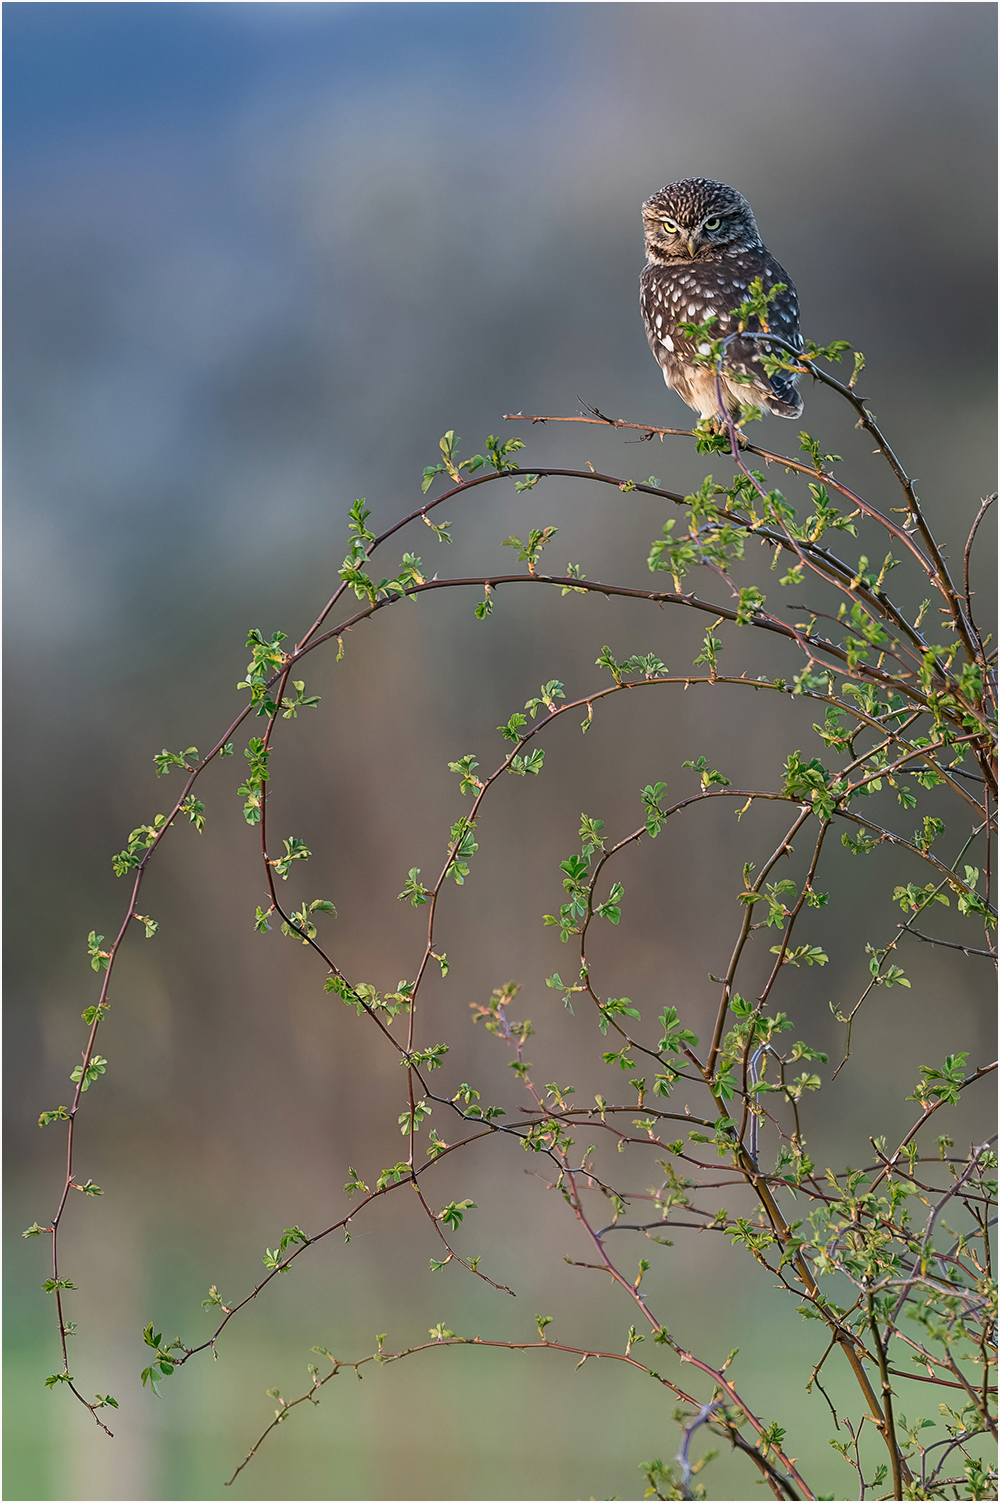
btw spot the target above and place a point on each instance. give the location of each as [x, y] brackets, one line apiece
[703, 252]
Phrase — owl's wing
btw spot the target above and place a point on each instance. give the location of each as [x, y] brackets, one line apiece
[666, 301]
[778, 389]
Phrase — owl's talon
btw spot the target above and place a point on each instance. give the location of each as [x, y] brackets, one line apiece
[742, 442]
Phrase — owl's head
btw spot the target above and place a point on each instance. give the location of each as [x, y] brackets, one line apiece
[696, 219]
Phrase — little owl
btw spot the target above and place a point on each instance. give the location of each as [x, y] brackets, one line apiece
[702, 253]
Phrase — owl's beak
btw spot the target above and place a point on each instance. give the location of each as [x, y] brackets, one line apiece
[692, 244]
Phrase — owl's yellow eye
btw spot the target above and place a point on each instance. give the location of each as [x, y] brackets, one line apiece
[670, 226]
[712, 224]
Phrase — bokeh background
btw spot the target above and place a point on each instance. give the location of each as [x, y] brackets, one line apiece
[259, 257]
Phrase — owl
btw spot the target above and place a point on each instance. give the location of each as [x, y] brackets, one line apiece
[702, 253]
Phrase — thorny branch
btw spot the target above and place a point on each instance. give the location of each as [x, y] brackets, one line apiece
[925, 706]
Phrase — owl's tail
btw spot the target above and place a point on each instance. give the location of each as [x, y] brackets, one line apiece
[786, 401]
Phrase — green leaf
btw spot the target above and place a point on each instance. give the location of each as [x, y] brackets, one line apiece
[611, 910]
[461, 850]
[265, 661]
[709, 777]
[531, 763]
[528, 551]
[410, 1121]
[941, 1085]
[295, 850]
[547, 696]
[99, 959]
[165, 760]
[465, 767]
[802, 955]
[616, 1007]
[454, 1211]
[95, 1069]
[651, 797]
[414, 891]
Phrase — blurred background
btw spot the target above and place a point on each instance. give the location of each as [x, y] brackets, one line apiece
[259, 258]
